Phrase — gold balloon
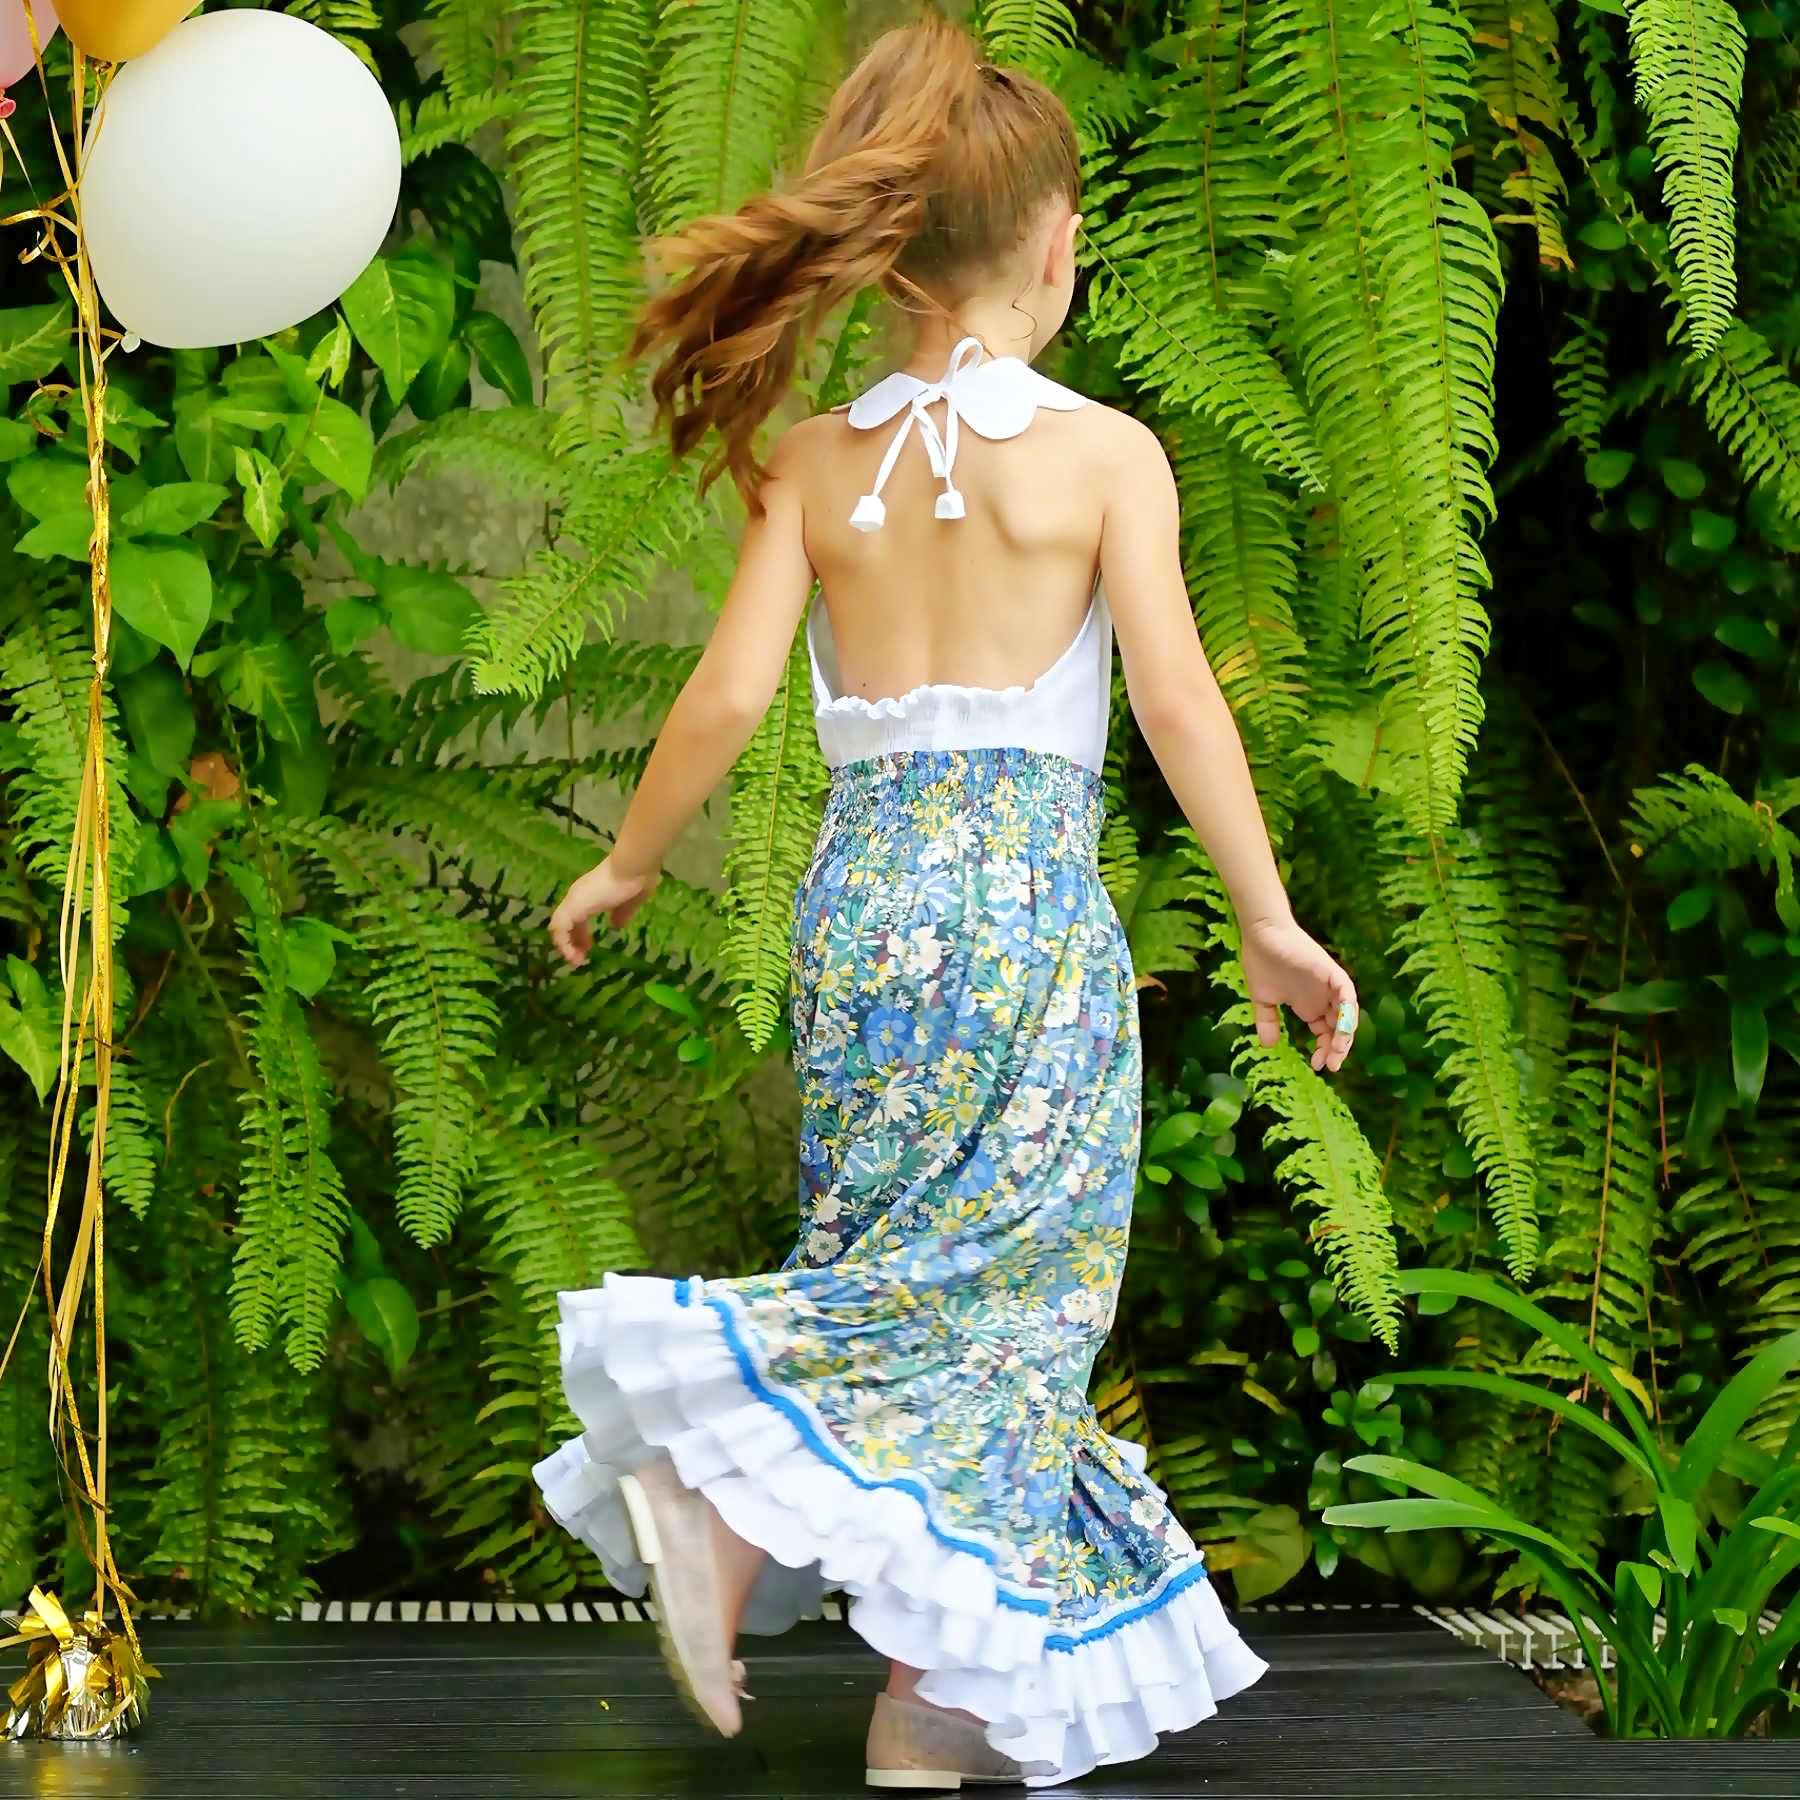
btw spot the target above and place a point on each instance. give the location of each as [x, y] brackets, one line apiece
[117, 30]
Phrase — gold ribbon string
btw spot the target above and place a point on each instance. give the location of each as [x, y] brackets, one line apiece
[81, 1681]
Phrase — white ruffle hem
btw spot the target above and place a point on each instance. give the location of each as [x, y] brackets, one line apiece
[656, 1366]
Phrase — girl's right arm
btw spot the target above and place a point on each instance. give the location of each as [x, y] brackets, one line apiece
[1191, 733]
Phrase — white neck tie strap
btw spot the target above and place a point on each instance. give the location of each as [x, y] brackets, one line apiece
[940, 447]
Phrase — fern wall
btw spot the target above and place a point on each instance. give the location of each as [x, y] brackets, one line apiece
[1468, 330]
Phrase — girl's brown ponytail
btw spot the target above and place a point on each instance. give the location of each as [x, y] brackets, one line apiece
[929, 163]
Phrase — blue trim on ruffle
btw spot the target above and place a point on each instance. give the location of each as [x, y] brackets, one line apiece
[771, 1396]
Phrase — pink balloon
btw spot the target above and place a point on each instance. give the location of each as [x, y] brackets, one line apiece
[15, 35]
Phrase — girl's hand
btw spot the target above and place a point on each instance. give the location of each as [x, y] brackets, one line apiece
[603, 889]
[1285, 967]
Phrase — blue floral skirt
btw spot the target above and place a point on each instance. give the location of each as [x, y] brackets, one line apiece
[901, 1411]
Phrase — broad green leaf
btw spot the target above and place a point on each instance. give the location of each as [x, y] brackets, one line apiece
[193, 831]
[263, 491]
[427, 610]
[164, 591]
[498, 355]
[1649, 1580]
[1604, 234]
[18, 437]
[1712, 531]
[1732, 1619]
[1727, 688]
[1749, 637]
[34, 340]
[1681, 1528]
[49, 485]
[336, 442]
[348, 622]
[173, 508]
[1274, 1546]
[441, 383]
[205, 439]
[1784, 1527]
[311, 946]
[1171, 1134]
[385, 1314]
[1647, 997]
[1682, 479]
[159, 717]
[156, 866]
[1691, 905]
[66, 534]
[330, 360]
[402, 308]
[1606, 469]
[31, 1031]
[1749, 1051]
[268, 678]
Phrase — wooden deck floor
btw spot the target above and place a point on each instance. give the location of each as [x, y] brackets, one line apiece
[566, 1712]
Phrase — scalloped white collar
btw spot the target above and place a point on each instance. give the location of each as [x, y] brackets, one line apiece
[996, 396]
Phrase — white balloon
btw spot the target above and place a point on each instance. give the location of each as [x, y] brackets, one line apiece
[239, 177]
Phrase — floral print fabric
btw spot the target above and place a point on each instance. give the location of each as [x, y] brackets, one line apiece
[966, 1043]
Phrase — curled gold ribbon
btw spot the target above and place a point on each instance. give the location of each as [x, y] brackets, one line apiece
[82, 1679]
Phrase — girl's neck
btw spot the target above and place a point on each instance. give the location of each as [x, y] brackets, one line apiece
[1003, 329]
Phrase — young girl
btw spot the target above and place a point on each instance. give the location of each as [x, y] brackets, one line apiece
[901, 1412]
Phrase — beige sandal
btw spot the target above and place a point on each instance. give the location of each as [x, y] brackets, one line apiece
[672, 1526]
[924, 1748]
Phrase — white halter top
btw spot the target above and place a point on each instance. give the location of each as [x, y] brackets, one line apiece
[1064, 711]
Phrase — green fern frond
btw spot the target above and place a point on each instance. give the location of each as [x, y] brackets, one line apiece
[576, 146]
[438, 120]
[512, 446]
[1395, 299]
[1579, 374]
[1753, 405]
[1026, 34]
[1170, 338]
[1164, 931]
[777, 794]
[635, 509]
[1118, 850]
[242, 1495]
[347, 20]
[1605, 1196]
[621, 677]
[1519, 78]
[1741, 1222]
[1239, 557]
[133, 1142]
[1687, 61]
[729, 76]
[465, 38]
[30, 1503]
[1039, 37]
[429, 993]
[1327, 1161]
[1771, 164]
[1696, 822]
[46, 666]
[1517, 833]
[1454, 936]
[292, 1210]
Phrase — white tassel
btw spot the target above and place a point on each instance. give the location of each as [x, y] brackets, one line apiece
[950, 505]
[870, 513]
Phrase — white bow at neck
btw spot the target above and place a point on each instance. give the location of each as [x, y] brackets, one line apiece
[997, 397]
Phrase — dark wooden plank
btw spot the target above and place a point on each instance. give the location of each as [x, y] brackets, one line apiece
[571, 1712]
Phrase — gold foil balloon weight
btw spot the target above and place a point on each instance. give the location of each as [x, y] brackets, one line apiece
[83, 1680]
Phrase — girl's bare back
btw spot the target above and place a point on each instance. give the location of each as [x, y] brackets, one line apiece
[988, 600]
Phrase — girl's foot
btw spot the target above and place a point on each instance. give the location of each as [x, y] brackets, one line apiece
[924, 1748]
[674, 1530]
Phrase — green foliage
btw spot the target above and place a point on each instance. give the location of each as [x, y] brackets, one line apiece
[1711, 1673]
[1688, 66]
[776, 803]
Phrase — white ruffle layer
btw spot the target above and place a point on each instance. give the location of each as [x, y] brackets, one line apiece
[646, 1374]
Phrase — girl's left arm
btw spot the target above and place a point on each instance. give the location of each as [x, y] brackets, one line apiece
[713, 718]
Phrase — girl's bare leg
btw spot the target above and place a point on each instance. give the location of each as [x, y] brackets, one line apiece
[739, 1563]
[903, 1684]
